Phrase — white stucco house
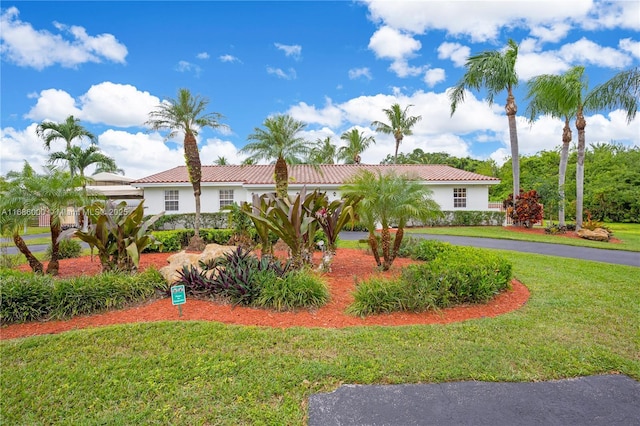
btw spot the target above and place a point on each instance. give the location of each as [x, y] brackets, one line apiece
[170, 191]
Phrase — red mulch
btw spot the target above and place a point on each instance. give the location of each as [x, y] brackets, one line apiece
[540, 231]
[349, 265]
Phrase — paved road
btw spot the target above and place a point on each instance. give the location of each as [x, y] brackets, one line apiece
[605, 400]
[35, 248]
[619, 257]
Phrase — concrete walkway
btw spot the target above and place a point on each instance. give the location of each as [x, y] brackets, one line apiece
[605, 400]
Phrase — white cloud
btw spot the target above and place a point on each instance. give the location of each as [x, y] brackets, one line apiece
[454, 51]
[389, 43]
[228, 58]
[54, 105]
[202, 55]
[479, 20]
[28, 47]
[552, 32]
[587, 52]
[184, 66]
[434, 76]
[16, 146]
[330, 115]
[214, 148]
[630, 46]
[278, 72]
[355, 73]
[119, 105]
[613, 14]
[533, 64]
[293, 50]
[125, 148]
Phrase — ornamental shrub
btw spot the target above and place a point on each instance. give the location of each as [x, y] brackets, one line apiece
[526, 210]
[69, 249]
[298, 289]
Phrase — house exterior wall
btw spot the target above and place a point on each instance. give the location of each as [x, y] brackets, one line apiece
[477, 196]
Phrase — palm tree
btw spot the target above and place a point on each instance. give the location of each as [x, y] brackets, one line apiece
[67, 131]
[15, 214]
[103, 168]
[495, 71]
[278, 141]
[54, 191]
[357, 143]
[323, 152]
[548, 94]
[79, 159]
[186, 114]
[220, 161]
[388, 199]
[399, 124]
[621, 91]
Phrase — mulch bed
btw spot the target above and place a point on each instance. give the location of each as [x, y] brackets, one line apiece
[350, 265]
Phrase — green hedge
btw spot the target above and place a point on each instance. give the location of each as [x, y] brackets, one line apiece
[29, 297]
[187, 220]
[467, 218]
[176, 240]
[452, 275]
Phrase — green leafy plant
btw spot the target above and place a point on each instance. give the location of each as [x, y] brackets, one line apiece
[298, 289]
[68, 249]
[118, 235]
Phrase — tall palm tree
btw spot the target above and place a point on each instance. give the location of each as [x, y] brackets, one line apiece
[278, 141]
[67, 131]
[399, 124]
[186, 114]
[357, 143]
[323, 152]
[495, 71]
[548, 95]
[79, 159]
[621, 91]
[389, 199]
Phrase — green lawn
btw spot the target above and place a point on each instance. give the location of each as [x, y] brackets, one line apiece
[628, 233]
[582, 318]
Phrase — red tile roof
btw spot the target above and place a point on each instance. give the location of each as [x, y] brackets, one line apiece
[326, 174]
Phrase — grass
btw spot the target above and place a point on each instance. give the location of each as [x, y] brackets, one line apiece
[582, 319]
[628, 233]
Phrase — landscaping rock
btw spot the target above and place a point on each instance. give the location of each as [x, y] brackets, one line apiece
[598, 234]
[183, 258]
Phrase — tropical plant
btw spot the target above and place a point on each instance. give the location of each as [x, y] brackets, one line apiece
[53, 193]
[79, 159]
[186, 114]
[221, 161]
[389, 199]
[526, 210]
[119, 235]
[357, 143]
[14, 215]
[278, 141]
[292, 219]
[332, 217]
[495, 71]
[399, 124]
[67, 131]
[323, 152]
[547, 94]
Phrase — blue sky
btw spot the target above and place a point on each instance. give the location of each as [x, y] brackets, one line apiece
[333, 65]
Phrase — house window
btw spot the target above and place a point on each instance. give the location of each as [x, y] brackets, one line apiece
[171, 200]
[459, 197]
[226, 197]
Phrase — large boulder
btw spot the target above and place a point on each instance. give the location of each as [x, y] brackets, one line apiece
[183, 258]
[598, 234]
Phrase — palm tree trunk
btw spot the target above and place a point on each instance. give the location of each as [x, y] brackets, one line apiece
[395, 157]
[581, 123]
[192, 157]
[397, 241]
[34, 263]
[373, 244]
[54, 265]
[386, 248]
[511, 110]
[564, 158]
[282, 178]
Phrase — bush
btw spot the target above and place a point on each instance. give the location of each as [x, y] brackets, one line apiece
[465, 218]
[298, 289]
[526, 210]
[68, 250]
[30, 297]
[429, 250]
[454, 275]
[176, 240]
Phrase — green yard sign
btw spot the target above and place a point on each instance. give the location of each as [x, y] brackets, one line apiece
[178, 295]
